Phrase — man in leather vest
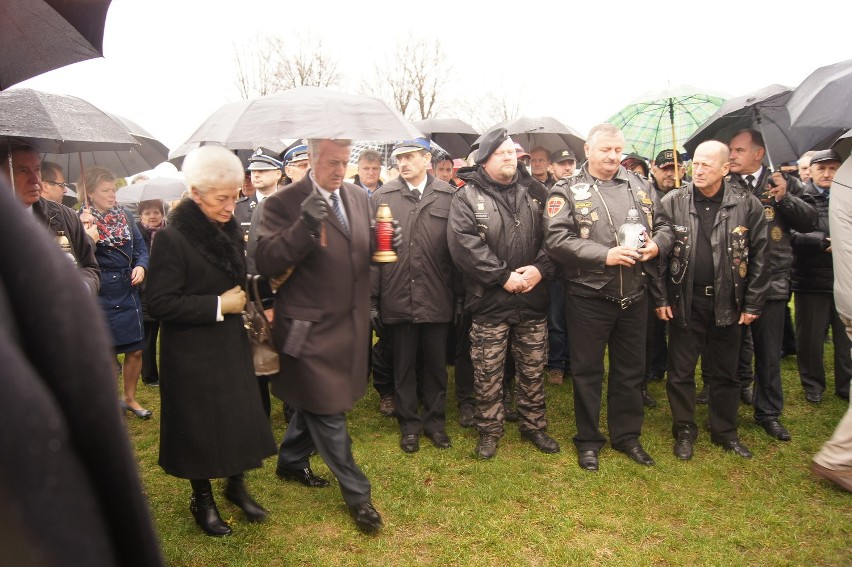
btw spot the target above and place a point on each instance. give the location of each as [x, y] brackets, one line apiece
[605, 295]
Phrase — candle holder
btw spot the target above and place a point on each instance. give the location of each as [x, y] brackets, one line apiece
[384, 236]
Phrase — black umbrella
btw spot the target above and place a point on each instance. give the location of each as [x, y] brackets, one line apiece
[843, 145]
[543, 131]
[37, 36]
[824, 98]
[453, 135]
[147, 155]
[764, 110]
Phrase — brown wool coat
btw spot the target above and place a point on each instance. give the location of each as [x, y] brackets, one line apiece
[329, 288]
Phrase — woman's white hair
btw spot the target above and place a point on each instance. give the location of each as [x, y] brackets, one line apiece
[212, 166]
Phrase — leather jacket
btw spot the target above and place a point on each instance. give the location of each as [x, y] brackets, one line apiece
[488, 240]
[791, 212]
[582, 220]
[740, 260]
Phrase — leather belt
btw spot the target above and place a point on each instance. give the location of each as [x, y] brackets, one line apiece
[707, 290]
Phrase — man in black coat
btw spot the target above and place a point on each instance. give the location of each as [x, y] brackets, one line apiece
[783, 211]
[813, 282]
[62, 223]
[68, 477]
[496, 239]
[413, 297]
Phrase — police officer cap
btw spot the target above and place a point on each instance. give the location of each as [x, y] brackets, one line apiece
[488, 144]
[825, 155]
[667, 157]
[562, 155]
[408, 146]
[263, 159]
[295, 154]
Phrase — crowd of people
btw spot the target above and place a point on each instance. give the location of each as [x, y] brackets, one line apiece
[517, 268]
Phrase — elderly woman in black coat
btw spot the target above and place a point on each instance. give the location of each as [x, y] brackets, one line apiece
[212, 424]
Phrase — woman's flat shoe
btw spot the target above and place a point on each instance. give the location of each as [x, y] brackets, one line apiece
[141, 413]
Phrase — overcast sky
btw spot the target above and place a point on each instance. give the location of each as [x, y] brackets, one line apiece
[169, 63]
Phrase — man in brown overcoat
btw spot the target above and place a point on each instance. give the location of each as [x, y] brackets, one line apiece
[318, 231]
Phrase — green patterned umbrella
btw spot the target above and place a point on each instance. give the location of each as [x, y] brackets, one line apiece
[661, 120]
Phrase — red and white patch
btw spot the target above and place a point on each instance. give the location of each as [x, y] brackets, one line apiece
[554, 205]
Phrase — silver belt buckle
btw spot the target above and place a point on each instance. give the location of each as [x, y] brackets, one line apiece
[708, 290]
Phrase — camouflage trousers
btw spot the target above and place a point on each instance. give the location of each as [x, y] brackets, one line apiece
[528, 341]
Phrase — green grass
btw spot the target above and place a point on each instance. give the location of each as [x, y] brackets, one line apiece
[528, 508]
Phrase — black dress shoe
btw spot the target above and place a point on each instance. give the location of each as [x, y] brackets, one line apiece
[683, 446]
[774, 429]
[542, 441]
[439, 439]
[647, 399]
[638, 454]
[588, 460]
[366, 517]
[410, 443]
[486, 448]
[736, 447]
[746, 396]
[304, 476]
[813, 397]
[703, 396]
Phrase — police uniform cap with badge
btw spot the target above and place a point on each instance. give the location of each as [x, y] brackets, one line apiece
[263, 159]
[295, 162]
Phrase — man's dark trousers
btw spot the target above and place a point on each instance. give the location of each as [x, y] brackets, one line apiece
[431, 340]
[606, 323]
[721, 345]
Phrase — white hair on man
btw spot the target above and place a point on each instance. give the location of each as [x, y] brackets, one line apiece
[605, 129]
[211, 166]
[314, 145]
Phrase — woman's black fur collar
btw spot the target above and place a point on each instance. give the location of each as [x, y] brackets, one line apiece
[223, 247]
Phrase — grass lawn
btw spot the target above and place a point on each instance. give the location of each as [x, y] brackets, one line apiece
[528, 508]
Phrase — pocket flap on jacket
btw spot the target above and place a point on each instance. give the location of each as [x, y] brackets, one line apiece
[312, 314]
[443, 213]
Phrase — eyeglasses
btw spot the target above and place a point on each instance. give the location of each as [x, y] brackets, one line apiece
[63, 185]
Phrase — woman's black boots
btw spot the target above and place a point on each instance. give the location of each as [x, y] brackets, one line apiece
[236, 492]
[204, 510]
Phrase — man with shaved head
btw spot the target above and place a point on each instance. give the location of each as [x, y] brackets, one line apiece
[716, 283]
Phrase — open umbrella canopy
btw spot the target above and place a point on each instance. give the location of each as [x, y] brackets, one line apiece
[453, 135]
[303, 112]
[58, 124]
[824, 98]
[37, 36]
[163, 188]
[843, 145]
[544, 131]
[659, 120]
[147, 155]
[765, 110]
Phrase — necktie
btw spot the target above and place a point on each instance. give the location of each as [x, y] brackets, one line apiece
[750, 180]
[335, 206]
[416, 193]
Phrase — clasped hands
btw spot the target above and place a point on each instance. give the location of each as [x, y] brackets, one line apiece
[522, 280]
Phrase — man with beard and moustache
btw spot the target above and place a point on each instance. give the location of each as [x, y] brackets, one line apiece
[663, 181]
[605, 290]
[783, 211]
[540, 166]
[414, 296]
[716, 282]
[496, 240]
[265, 172]
[813, 282]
